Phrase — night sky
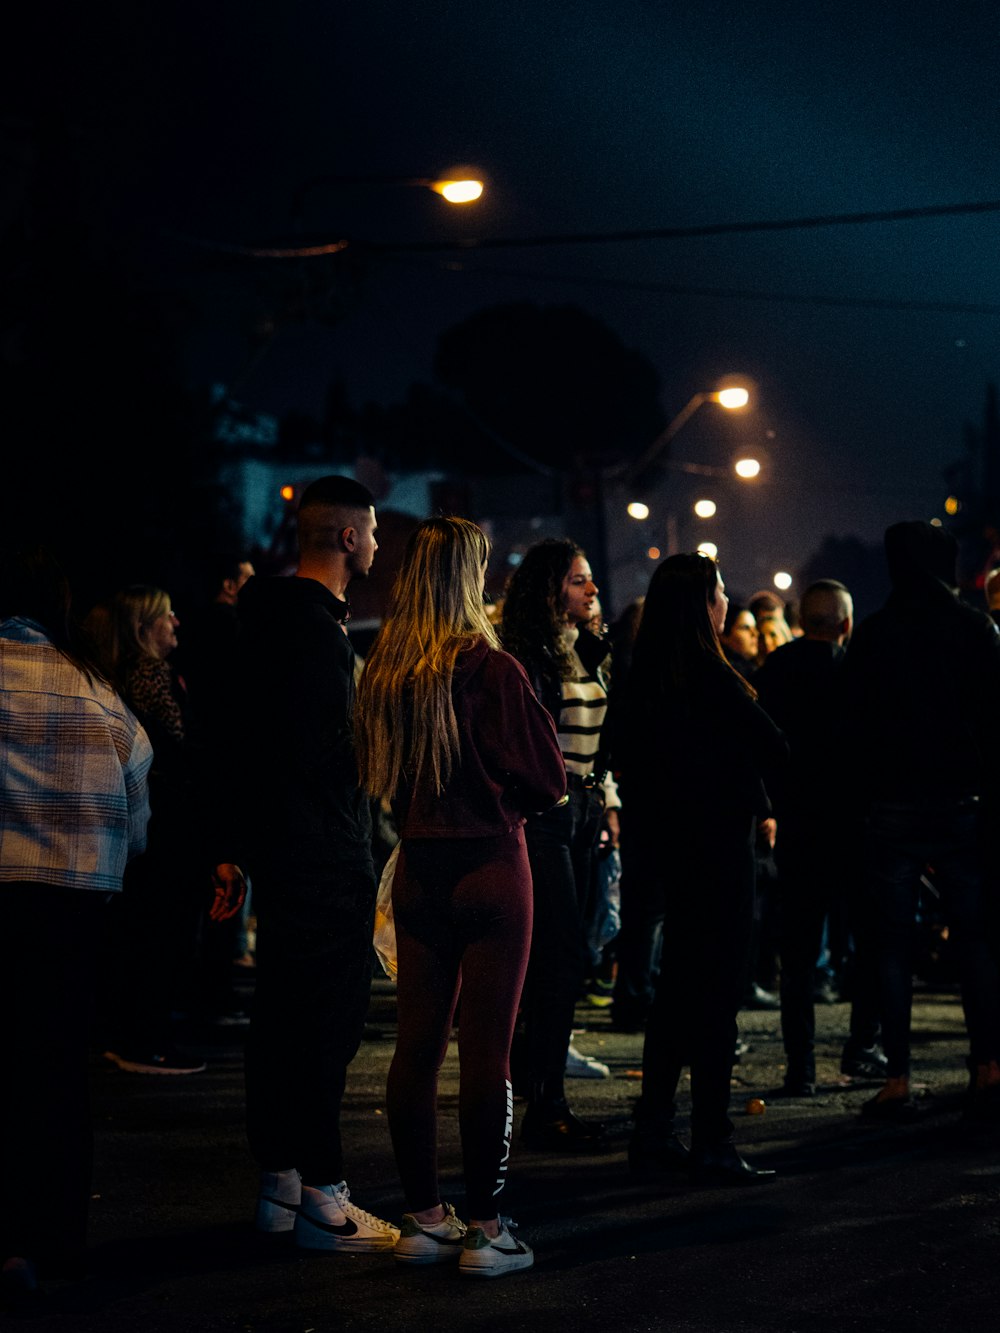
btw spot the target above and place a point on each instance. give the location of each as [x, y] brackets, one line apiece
[868, 346]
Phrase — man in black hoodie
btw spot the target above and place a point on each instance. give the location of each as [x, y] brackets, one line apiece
[307, 831]
[921, 679]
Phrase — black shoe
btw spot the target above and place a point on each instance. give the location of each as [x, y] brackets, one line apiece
[652, 1156]
[867, 1063]
[722, 1165]
[794, 1087]
[554, 1128]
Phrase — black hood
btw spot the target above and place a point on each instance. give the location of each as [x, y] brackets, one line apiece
[919, 554]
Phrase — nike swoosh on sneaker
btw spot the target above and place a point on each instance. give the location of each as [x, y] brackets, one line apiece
[345, 1228]
[279, 1203]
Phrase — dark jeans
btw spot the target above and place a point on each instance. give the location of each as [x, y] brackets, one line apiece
[639, 942]
[814, 880]
[561, 845]
[903, 842]
[707, 870]
[311, 996]
[49, 944]
[150, 946]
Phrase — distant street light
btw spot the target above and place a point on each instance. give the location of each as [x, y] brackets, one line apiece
[747, 468]
[705, 508]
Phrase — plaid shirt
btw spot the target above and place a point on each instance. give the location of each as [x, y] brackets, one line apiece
[74, 760]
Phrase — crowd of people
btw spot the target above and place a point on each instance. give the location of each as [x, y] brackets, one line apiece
[510, 751]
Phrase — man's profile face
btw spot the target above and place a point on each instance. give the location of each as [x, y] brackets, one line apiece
[360, 558]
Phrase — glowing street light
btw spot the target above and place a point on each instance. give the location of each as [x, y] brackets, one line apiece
[705, 508]
[457, 185]
[782, 581]
[746, 468]
[638, 510]
[731, 398]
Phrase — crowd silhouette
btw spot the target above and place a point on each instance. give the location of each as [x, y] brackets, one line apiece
[780, 788]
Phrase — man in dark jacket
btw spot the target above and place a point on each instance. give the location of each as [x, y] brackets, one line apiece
[922, 677]
[817, 883]
[307, 828]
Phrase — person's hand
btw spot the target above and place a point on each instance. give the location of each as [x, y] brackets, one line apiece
[230, 890]
[613, 825]
[768, 830]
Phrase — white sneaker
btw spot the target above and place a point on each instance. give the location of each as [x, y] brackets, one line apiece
[485, 1257]
[579, 1065]
[327, 1220]
[437, 1244]
[278, 1200]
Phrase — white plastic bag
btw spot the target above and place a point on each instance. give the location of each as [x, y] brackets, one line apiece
[385, 927]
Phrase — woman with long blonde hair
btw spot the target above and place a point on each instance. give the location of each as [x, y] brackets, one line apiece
[449, 731]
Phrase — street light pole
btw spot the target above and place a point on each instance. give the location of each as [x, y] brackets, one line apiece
[728, 398]
[460, 185]
[623, 475]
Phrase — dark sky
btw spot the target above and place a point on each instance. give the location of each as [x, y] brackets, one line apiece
[203, 121]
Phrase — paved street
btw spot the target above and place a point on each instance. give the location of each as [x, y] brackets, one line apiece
[864, 1228]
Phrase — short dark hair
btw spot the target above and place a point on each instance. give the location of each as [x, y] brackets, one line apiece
[335, 490]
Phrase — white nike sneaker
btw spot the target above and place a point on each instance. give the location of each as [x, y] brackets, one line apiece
[483, 1256]
[278, 1198]
[439, 1243]
[327, 1220]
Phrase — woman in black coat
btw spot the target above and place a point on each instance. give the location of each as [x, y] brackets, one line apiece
[693, 750]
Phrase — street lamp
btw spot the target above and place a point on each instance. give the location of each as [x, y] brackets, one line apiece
[731, 398]
[457, 185]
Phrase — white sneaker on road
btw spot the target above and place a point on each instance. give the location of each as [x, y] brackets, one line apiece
[486, 1257]
[440, 1243]
[579, 1065]
[328, 1221]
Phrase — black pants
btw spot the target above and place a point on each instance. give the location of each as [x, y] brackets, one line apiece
[707, 870]
[311, 997]
[49, 944]
[561, 845]
[640, 940]
[813, 884]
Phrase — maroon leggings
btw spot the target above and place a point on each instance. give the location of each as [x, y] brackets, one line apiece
[463, 922]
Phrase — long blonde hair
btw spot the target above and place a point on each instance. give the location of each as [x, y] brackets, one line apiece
[117, 630]
[435, 612]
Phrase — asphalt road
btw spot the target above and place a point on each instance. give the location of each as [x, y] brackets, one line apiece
[864, 1227]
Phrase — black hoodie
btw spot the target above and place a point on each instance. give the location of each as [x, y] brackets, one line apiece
[302, 813]
[922, 680]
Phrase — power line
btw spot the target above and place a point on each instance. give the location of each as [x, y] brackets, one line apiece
[732, 293]
[599, 237]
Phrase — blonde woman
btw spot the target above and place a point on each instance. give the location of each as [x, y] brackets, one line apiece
[153, 930]
[450, 732]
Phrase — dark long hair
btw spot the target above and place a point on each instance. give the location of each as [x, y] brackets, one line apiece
[531, 624]
[676, 636]
[34, 585]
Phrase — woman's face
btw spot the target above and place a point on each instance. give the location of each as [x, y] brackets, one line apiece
[719, 606]
[772, 635]
[579, 592]
[160, 635]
